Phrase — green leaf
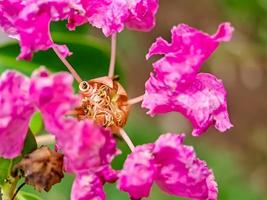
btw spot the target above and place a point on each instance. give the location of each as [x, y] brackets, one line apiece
[30, 143]
[27, 196]
[36, 123]
[4, 169]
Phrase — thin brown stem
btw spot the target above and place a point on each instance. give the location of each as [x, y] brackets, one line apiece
[135, 100]
[112, 55]
[126, 138]
[68, 65]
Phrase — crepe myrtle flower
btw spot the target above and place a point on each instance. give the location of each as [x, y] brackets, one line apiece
[29, 21]
[176, 85]
[53, 96]
[84, 125]
[173, 166]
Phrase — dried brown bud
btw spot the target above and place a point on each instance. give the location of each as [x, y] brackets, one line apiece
[42, 168]
[104, 101]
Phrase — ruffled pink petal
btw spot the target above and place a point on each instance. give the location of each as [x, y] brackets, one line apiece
[175, 78]
[8, 15]
[138, 173]
[16, 111]
[54, 96]
[110, 16]
[172, 165]
[94, 146]
[29, 22]
[180, 172]
[87, 186]
[203, 102]
[224, 33]
[107, 174]
[142, 15]
[90, 142]
[113, 15]
[188, 41]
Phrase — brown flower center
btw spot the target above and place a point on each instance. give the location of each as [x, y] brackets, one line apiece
[104, 101]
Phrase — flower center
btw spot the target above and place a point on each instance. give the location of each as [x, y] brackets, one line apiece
[104, 101]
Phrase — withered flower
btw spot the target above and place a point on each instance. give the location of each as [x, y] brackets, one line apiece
[42, 168]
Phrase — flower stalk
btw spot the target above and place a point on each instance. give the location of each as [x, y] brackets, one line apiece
[126, 138]
[135, 100]
[112, 56]
[68, 65]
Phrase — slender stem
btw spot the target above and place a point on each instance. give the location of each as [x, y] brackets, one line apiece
[45, 140]
[17, 191]
[68, 65]
[8, 188]
[135, 100]
[112, 56]
[127, 139]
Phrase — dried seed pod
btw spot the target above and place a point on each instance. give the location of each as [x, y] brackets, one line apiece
[42, 168]
[104, 101]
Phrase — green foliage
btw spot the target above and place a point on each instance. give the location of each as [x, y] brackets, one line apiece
[30, 143]
[249, 16]
[36, 123]
[4, 169]
[27, 196]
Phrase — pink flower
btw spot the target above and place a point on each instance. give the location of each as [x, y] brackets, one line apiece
[87, 187]
[177, 85]
[16, 111]
[88, 151]
[113, 15]
[172, 165]
[20, 97]
[88, 148]
[29, 22]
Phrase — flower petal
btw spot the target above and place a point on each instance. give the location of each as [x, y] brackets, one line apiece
[175, 84]
[112, 15]
[180, 172]
[16, 112]
[203, 102]
[138, 173]
[54, 96]
[90, 142]
[142, 15]
[87, 187]
[29, 22]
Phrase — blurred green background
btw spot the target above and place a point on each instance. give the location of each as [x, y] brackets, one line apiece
[238, 157]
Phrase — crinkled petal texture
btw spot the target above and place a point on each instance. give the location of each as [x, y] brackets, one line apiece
[172, 165]
[29, 22]
[94, 146]
[16, 112]
[112, 15]
[87, 186]
[180, 172]
[88, 151]
[138, 172]
[142, 14]
[176, 85]
[54, 96]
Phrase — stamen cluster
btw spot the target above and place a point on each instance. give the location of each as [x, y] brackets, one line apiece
[103, 101]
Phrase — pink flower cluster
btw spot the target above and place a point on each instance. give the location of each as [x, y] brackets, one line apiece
[173, 166]
[176, 84]
[29, 21]
[53, 96]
